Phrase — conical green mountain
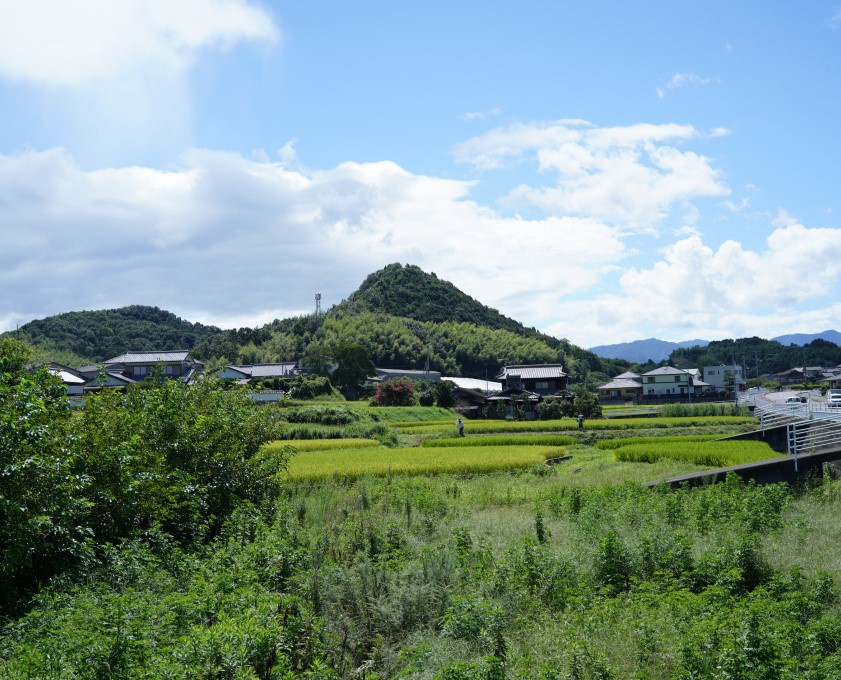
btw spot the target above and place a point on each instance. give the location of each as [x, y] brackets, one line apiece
[410, 292]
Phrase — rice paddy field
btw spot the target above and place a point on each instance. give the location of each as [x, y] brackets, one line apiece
[568, 424]
[427, 447]
[380, 461]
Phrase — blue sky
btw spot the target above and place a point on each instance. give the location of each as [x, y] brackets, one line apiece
[603, 171]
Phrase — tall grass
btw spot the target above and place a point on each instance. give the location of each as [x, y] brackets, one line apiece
[610, 444]
[712, 408]
[502, 426]
[416, 461]
[501, 440]
[414, 424]
[321, 444]
[379, 431]
[713, 454]
[393, 414]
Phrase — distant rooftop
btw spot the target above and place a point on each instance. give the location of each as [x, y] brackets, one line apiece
[153, 357]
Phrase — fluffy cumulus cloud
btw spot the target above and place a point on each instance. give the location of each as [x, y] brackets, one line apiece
[230, 240]
[111, 80]
[64, 43]
[694, 290]
[629, 176]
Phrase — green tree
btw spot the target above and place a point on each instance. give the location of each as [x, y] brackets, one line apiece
[42, 514]
[729, 384]
[172, 456]
[586, 403]
[445, 394]
[317, 360]
[354, 365]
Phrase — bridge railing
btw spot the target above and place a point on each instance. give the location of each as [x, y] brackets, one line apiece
[808, 430]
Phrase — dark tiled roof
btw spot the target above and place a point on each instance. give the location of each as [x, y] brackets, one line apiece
[533, 371]
[165, 356]
[407, 372]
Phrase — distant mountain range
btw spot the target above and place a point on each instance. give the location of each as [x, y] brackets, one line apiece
[640, 351]
[805, 338]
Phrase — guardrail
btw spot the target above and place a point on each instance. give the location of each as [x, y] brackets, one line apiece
[810, 427]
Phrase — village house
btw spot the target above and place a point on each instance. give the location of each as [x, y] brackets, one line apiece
[243, 374]
[541, 379]
[668, 381]
[624, 387]
[126, 369]
[715, 376]
[392, 373]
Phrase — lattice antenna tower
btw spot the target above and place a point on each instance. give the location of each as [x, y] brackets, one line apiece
[318, 306]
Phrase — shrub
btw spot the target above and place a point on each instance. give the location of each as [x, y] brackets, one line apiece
[426, 397]
[310, 387]
[328, 415]
[396, 392]
[551, 409]
[445, 394]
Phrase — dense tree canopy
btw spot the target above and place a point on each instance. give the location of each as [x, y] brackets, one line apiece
[98, 335]
[758, 356]
[162, 457]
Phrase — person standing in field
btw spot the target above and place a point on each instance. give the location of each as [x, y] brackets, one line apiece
[460, 426]
[580, 421]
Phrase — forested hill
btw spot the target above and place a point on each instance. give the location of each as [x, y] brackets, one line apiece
[402, 315]
[412, 293]
[75, 338]
[758, 356]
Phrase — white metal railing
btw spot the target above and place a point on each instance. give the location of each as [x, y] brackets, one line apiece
[810, 427]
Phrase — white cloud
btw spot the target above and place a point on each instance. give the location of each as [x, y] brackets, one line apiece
[481, 115]
[112, 78]
[66, 43]
[629, 175]
[686, 79]
[694, 288]
[225, 239]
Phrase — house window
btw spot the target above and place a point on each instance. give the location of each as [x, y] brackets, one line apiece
[170, 369]
[541, 385]
[677, 378]
[139, 370]
[650, 379]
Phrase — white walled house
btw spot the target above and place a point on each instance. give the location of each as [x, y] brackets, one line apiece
[668, 381]
[714, 376]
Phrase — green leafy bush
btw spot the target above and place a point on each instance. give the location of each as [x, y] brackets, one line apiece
[324, 415]
[310, 387]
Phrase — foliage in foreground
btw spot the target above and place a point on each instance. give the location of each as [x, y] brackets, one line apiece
[391, 578]
[161, 457]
